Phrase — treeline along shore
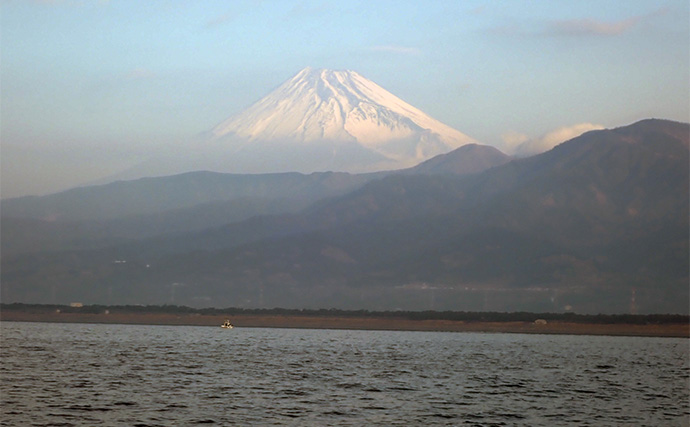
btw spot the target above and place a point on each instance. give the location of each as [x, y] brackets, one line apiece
[662, 325]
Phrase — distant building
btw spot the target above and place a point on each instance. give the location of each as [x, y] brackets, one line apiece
[76, 304]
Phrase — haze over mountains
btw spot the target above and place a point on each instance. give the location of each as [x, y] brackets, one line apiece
[581, 227]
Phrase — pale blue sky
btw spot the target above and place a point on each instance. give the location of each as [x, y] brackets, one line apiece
[87, 87]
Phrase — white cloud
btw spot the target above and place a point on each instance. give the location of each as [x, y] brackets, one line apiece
[591, 27]
[582, 27]
[522, 146]
[512, 140]
[594, 27]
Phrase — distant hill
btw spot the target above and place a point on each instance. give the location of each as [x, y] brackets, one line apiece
[155, 195]
[583, 227]
[103, 215]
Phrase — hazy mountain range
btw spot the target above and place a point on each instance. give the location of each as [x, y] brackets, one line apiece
[582, 227]
[96, 216]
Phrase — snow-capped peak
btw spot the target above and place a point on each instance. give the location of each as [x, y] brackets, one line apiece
[321, 106]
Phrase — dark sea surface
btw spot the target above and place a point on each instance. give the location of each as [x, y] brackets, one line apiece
[132, 375]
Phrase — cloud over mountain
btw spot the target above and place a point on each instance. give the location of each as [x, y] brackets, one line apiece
[522, 145]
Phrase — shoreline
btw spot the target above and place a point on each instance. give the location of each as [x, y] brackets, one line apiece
[674, 330]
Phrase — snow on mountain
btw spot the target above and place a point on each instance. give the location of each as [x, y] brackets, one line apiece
[341, 121]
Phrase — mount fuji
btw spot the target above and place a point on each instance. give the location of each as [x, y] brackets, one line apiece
[319, 120]
[329, 120]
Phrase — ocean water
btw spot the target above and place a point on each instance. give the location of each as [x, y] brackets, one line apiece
[132, 375]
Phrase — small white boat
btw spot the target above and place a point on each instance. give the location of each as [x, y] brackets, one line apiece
[226, 325]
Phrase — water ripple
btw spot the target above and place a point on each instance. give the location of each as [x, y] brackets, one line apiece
[68, 375]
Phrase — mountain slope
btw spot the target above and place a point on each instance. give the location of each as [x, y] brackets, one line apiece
[580, 226]
[468, 159]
